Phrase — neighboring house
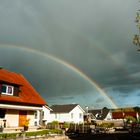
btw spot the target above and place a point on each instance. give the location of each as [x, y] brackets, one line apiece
[44, 115]
[18, 100]
[117, 115]
[122, 115]
[71, 113]
[102, 114]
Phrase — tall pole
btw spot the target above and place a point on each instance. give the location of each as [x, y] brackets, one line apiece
[123, 115]
[87, 110]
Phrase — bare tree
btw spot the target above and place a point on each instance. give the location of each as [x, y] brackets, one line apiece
[136, 39]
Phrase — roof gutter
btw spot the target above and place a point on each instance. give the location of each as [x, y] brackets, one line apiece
[8, 106]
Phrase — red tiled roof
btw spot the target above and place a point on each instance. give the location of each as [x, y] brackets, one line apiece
[27, 95]
[133, 114]
[117, 115]
[121, 115]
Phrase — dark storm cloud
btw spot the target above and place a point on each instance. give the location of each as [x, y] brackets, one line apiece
[94, 36]
[99, 100]
[139, 94]
[67, 98]
[55, 78]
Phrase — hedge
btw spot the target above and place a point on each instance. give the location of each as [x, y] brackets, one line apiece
[32, 133]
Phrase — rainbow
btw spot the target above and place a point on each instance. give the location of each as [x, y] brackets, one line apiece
[68, 65]
[92, 45]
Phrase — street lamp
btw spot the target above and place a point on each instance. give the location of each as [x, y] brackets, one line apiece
[123, 115]
[87, 109]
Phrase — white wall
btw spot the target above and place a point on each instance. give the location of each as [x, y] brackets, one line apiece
[66, 117]
[37, 117]
[12, 118]
[63, 117]
[47, 116]
[76, 115]
[30, 115]
[109, 116]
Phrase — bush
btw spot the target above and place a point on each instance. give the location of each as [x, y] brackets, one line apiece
[130, 119]
[107, 125]
[9, 135]
[43, 132]
[29, 134]
[55, 123]
[54, 131]
[66, 125]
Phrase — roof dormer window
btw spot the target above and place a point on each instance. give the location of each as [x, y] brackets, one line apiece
[7, 89]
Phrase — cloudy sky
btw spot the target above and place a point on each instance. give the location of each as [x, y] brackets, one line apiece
[73, 51]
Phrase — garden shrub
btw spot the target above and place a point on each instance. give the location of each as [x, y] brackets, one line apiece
[130, 119]
[66, 125]
[107, 125]
[29, 134]
[9, 135]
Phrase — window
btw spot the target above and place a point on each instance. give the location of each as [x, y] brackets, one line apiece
[55, 116]
[35, 114]
[80, 115]
[7, 89]
[42, 114]
[71, 115]
[35, 123]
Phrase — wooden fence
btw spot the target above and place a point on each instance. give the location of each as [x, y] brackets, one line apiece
[79, 128]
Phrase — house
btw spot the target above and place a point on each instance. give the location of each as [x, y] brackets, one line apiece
[121, 115]
[117, 115]
[43, 115]
[101, 114]
[71, 113]
[18, 100]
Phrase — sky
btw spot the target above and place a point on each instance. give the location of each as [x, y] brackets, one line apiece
[73, 51]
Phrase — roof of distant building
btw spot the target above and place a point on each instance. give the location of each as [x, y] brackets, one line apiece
[100, 114]
[121, 115]
[64, 108]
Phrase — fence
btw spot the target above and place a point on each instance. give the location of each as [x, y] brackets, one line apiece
[79, 128]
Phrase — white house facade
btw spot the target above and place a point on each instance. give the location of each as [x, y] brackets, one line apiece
[11, 115]
[44, 114]
[71, 113]
[108, 116]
